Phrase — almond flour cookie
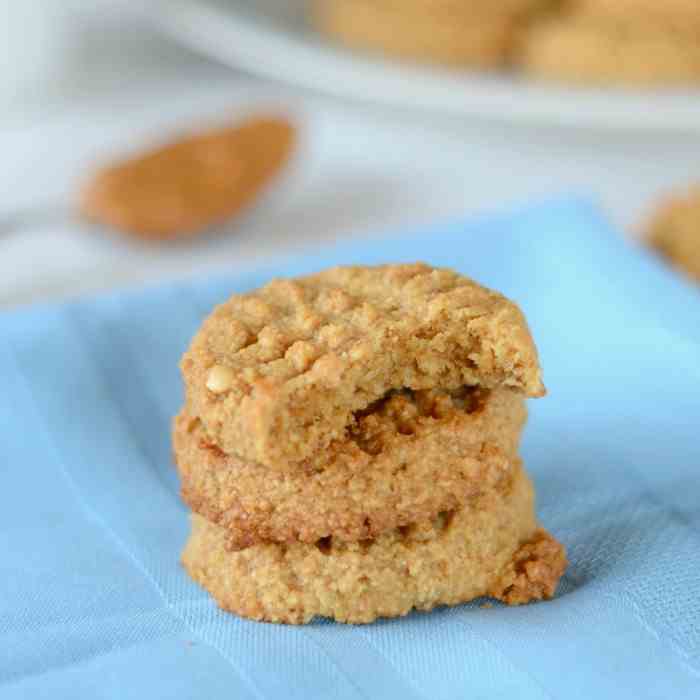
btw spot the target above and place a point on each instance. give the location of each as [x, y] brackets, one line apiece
[452, 33]
[587, 49]
[461, 9]
[349, 447]
[277, 375]
[680, 15]
[406, 458]
[191, 184]
[675, 232]
[491, 546]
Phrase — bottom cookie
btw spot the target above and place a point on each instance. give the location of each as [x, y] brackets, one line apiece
[491, 547]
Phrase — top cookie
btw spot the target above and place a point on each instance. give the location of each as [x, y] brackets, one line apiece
[278, 374]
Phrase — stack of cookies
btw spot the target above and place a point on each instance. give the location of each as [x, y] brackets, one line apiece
[636, 42]
[453, 32]
[349, 448]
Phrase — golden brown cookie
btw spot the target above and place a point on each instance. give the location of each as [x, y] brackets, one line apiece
[492, 546]
[191, 184]
[446, 33]
[585, 49]
[278, 375]
[458, 10]
[680, 15]
[406, 458]
[675, 232]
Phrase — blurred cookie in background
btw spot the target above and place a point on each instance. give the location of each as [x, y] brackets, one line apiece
[448, 32]
[190, 184]
[678, 15]
[674, 231]
[632, 42]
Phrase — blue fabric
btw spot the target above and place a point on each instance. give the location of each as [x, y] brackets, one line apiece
[93, 603]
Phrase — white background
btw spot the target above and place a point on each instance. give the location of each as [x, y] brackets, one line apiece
[104, 85]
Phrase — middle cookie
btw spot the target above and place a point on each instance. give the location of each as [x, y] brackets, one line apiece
[405, 458]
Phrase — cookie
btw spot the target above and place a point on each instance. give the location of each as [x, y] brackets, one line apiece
[679, 15]
[446, 34]
[278, 375]
[408, 457]
[190, 184]
[675, 232]
[349, 447]
[582, 50]
[490, 547]
[457, 10]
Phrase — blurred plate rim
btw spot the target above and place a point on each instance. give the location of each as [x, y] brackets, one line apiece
[255, 37]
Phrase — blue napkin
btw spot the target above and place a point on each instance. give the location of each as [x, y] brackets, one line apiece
[93, 602]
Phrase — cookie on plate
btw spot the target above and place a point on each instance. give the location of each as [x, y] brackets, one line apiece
[448, 32]
[675, 232]
[491, 546]
[594, 48]
[677, 15]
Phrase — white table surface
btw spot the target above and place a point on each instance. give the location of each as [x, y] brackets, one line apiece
[359, 170]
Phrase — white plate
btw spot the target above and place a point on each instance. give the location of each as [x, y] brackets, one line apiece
[272, 38]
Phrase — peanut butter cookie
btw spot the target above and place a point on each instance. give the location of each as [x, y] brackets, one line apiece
[190, 184]
[452, 33]
[349, 447]
[592, 47]
[406, 458]
[277, 375]
[489, 547]
[683, 15]
[675, 232]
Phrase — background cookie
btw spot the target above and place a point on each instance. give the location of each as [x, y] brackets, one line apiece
[303, 358]
[406, 463]
[462, 10]
[681, 15]
[190, 184]
[439, 36]
[492, 547]
[675, 232]
[586, 51]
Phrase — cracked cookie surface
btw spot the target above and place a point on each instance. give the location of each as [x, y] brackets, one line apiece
[277, 375]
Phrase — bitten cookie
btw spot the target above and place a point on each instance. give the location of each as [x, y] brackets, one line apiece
[349, 447]
[491, 546]
[278, 375]
[675, 232]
